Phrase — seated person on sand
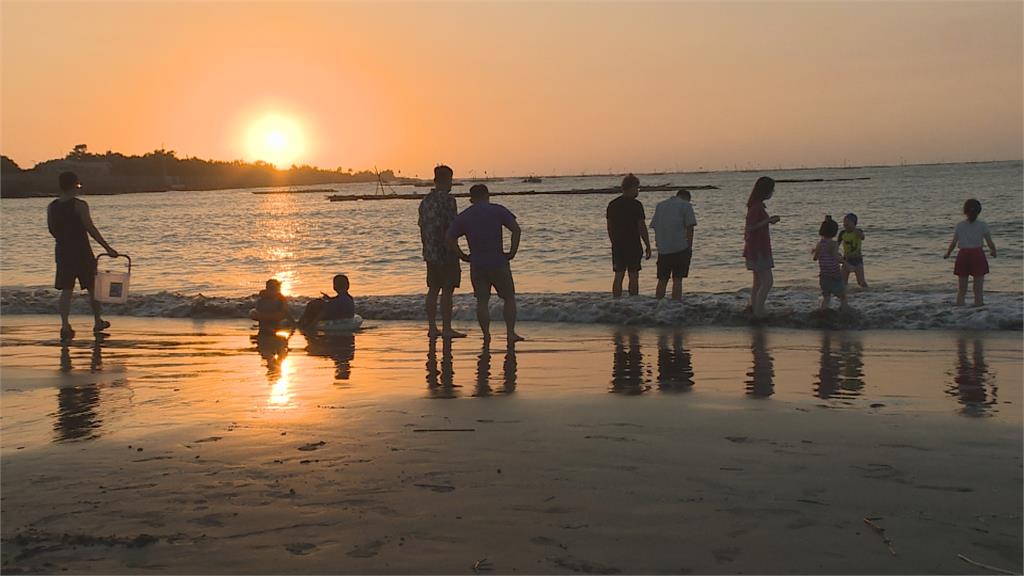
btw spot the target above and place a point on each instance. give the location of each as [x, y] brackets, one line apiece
[271, 309]
[341, 306]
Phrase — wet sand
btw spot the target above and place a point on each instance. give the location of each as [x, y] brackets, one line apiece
[180, 446]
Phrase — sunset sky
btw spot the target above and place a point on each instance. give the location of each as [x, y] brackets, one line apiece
[516, 87]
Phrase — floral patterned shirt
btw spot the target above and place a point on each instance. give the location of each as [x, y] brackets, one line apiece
[437, 211]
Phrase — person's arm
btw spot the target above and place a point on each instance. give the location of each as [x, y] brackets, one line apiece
[83, 212]
[860, 233]
[814, 251]
[517, 233]
[762, 223]
[646, 237]
[49, 221]
[952, 245]
[991, 245]
[689, 236]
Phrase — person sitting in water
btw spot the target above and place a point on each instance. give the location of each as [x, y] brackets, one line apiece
[341, 306]
[271, 309]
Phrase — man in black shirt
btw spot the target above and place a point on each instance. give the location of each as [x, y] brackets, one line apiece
[627, 226]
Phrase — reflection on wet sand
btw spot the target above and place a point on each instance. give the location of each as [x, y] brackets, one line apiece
[973, 385]
[761, 378]
[77, 417]
[628, 364]
[675, 364]
[440, 382]
[483, 372]
[273, 348]
[840, 372]
[339, 347]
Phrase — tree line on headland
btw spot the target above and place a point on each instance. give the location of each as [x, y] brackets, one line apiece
[161, 170]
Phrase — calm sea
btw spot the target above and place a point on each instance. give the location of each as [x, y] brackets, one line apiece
[228, 242]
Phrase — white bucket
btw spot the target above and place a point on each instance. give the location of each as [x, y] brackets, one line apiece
[112, 287]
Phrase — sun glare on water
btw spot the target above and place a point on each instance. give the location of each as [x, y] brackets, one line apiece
[276, 139]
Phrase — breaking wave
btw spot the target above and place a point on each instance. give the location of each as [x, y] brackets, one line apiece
[790, 308]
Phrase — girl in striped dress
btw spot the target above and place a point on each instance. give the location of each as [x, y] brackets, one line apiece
[829, 271]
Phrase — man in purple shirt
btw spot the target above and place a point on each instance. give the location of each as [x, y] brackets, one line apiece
[482, 225]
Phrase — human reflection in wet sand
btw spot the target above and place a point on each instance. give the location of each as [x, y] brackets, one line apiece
[761, 378]
[628, 364]
[483, 372]
[77, 418]
[440, 383]
[675, 364]
[973, 385]
[338, 347]
[273, 347]
[841, 370]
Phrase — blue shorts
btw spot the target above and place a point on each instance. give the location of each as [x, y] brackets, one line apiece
[831, 285]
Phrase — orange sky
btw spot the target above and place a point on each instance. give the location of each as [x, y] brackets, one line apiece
[520, 87]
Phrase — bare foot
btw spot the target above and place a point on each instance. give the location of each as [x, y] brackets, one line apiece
[453, 334]
[513, 338]
[433, 332]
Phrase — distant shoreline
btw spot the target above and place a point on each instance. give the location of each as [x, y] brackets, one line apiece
[360, 179]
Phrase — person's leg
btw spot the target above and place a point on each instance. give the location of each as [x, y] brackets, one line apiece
[659, 291]
[431, 304]
[677, 288]
[447, 296]
[846, 274]
[755, 287]
[505, 286]
[64, 307]
[961, 290]
[510, 320]
[483, 316]
[842, 301]
[860, 277]
[764, 286]
[634, 282]
[979, 290]
[617, 283]
[97, 313]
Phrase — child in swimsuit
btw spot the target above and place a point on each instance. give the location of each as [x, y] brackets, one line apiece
[852, 238]
[271, 309]
[827, 254]
[970, 234]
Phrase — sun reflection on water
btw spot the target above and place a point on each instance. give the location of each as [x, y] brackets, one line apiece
[280, 391]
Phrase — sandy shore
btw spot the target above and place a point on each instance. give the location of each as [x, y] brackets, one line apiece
[175, 446]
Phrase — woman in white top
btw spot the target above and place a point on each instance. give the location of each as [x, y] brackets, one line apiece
[970, 260]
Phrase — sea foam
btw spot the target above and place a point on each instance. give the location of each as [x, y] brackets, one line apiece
[790, 308]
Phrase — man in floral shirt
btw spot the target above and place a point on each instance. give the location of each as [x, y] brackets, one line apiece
[437, 211]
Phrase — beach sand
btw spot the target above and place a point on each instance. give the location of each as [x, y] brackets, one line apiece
[175, 446]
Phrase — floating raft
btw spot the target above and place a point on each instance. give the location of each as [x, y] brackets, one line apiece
[615, 190]
[802, 180]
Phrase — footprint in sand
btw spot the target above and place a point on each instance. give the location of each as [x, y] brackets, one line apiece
[368, 550]
[312, 446]
[300, 548]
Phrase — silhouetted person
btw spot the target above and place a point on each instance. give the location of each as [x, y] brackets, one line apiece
[675, 364]
[627, 364]
[271, 309]
[440, 382]
[761, 378]
[757, 244]
[341, 306]
[627, 227]
[444, 274]
[70, 224]
[971, 379]
[482, 224]
[673, 224]
[969, 234]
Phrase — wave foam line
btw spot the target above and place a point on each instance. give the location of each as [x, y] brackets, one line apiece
[791, 308]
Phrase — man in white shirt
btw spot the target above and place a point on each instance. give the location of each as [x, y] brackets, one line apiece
[673, 223]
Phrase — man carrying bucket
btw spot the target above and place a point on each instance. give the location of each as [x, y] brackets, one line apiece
[71, 225]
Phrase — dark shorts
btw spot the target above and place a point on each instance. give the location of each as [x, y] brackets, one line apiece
[447, 274]
[854, 261]
[971, 262]
[81, 268]
[760, 263]
[675, 265]
[831, 285]
[627, 258]
[500, 278]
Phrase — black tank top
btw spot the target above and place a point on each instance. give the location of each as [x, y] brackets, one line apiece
[67, 228]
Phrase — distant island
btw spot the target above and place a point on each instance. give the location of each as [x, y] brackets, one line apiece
[162, 170]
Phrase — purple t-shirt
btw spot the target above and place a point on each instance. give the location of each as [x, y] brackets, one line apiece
[482, 224]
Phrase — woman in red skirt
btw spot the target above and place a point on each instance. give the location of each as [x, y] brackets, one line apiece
[970, 260]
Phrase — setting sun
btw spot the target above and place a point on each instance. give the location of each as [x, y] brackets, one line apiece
[277, 139]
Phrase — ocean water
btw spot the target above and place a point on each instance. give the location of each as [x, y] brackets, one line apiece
[226, 243]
